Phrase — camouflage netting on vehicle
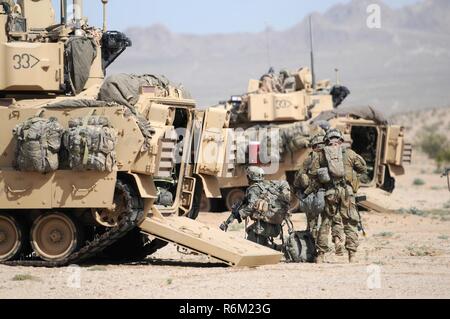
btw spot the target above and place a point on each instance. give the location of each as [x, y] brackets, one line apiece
[295, 137]
[80, 53]
[274, 140]
[90, 144]
[38, 142]
[124, 89]
[359, 112]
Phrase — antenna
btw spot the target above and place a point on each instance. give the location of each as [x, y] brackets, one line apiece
[269, 60]
[105, 2]
[312, 52]
[337, 76]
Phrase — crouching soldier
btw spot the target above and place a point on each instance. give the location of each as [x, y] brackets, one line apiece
[266, 203]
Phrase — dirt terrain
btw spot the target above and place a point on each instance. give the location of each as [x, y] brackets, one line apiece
[406, 254]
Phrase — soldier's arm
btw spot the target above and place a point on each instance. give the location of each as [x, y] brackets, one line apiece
[358, 163]
[298, 184]
[251, 198]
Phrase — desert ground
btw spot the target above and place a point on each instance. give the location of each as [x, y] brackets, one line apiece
[406, 254]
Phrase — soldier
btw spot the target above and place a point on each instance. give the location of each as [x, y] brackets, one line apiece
[8, 5]
[340, 170]
[306, 182]
[270, 83]
[266, 203]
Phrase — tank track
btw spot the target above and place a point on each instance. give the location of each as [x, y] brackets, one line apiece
[96, 246]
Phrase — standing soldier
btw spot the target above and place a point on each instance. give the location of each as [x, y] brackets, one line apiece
[266, 203]
[310, 192]
[307, 184]
[340, 169]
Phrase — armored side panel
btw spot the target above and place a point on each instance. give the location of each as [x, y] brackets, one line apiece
[278, 107]
[39, 14]
[31, 66]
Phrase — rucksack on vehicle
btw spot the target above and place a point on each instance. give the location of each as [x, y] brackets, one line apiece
[38, 141]
[335, 160]
[277, 195]
[90, 144]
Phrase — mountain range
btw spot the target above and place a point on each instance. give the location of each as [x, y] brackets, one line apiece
[403, 65]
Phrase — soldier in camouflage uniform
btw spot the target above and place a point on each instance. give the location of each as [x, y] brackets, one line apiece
[340, 198]
[8, 4]
[306, 182]
[256, 207]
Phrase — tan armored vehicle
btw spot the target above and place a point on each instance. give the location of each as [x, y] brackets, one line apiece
[293, 105]
[93, 166]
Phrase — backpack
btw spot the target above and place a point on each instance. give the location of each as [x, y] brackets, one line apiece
[314, 204]
[335, 161]
[277, 196]
[38, 141]
[90, 144]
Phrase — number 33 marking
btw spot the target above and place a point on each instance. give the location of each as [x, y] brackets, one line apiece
[24, 61]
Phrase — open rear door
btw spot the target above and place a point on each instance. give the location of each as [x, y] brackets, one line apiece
[209, 241]
[213, 143]
[395, 147]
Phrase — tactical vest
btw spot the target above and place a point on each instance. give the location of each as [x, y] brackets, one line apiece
[277, 196]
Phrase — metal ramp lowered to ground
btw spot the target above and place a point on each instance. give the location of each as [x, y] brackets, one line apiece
[209, 241]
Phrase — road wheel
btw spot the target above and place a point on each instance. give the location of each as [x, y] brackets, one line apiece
[232, 196]
[55, 236]
[11, 238]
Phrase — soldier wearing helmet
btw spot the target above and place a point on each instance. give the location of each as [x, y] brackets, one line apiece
[341, 168]
[261, 205]
[8, 6]
[306, 184]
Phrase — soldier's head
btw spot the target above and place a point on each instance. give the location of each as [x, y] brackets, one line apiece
[255, 174]
[334, 137]
[284, 74]
[318, 142]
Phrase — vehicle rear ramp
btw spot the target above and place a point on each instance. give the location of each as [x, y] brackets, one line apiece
[206, 240]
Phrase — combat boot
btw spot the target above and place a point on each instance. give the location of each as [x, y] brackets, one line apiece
[352, 257]
[320, 258]
[339, 247]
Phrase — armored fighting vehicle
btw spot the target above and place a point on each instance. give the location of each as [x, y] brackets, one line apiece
[295, 106]
[92, 166]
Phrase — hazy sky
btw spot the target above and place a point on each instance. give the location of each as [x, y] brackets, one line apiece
[209, 16]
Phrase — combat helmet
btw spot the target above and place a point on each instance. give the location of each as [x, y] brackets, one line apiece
[255, 174]
[334, 133]
[317, 140]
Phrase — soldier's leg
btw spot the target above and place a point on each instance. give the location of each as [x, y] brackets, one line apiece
[337, 234]
[323, 236]
[351, 229]
[315, 228]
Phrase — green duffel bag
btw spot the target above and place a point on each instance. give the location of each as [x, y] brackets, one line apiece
[38, 142]
[90, 144]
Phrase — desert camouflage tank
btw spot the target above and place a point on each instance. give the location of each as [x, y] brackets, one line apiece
[92, 166]
[273, 123]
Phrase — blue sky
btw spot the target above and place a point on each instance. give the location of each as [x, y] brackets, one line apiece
[210, 16]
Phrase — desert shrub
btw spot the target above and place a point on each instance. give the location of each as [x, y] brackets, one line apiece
[443, 156]
[23, 277]
[432, 143]
[418, 182]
